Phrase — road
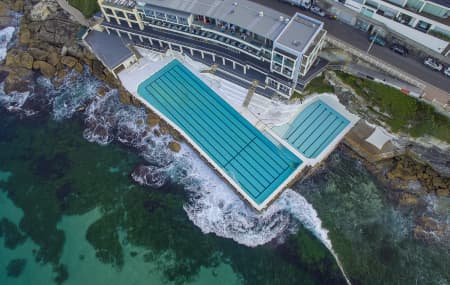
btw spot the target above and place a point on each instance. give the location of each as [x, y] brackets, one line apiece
[358, 39]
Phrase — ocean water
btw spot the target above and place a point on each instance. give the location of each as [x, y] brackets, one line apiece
[77, 208]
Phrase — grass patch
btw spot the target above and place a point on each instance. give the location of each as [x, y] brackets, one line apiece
[318, 85]
[87, 7]
[404, 113]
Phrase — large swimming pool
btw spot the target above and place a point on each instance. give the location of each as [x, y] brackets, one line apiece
[247, 157]
[315, 128]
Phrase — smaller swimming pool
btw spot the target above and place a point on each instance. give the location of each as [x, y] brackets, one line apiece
[315, 128]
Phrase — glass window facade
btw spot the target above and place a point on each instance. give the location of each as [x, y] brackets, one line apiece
[171, 18]
[160, 15]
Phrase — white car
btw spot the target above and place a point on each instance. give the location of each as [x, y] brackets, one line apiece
[447, 71]
[316, 10]
[433, 64]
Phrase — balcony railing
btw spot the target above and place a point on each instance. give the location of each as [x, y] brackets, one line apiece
[234, 32]
[124, 4]
[208, 36]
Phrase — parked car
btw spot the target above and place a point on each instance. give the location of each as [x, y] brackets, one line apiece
[377, 40]
[447, 71]
[433, 64]
[316, 10]
[401, 50]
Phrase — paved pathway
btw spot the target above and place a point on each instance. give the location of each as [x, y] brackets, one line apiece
[76, 14]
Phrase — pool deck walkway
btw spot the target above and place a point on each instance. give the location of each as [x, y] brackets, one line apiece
[138, 73]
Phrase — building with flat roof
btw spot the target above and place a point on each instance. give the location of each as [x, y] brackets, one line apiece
[426, 22]
[111, 50]
[276, 48]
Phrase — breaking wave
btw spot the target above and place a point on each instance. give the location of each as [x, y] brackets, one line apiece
[212, 205]
[6, 36]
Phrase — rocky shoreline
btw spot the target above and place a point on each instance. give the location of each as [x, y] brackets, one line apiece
[47, 44]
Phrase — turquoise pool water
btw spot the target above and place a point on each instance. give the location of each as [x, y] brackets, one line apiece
[245, 154]
[315, 128]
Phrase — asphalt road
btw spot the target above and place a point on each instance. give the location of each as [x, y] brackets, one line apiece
[357, 38]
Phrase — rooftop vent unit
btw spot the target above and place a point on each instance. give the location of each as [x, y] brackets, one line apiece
[235, 3]
[261, 13]
[281, 18]
[286, 20]
[296, 43]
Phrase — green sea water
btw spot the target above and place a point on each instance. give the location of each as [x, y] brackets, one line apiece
[71, 214]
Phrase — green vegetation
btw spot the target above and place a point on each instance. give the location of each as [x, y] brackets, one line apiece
[87, 7]
[104, 237]
[13, 237]
[15, 267]
[317, 85]
[401, 112]
[440, 35]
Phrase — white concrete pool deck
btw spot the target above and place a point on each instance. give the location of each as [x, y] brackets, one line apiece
[262, 112]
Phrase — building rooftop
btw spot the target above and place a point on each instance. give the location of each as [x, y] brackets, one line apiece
[251, 16]
[299, 33]
[109, 48]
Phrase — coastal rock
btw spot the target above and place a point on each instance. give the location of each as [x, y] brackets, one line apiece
[18, 5]
[38, 54]
[26, 60]
[443, 192]
[407, 199]
[152, 119]
[53, 58]
[97, 70]
[78, 67]
[40, 11]
[101, 91]
[25, 36]
[69, 61]
[174, 146]
[149, 175]
[19, 79]
[46, 69]
[124, 96]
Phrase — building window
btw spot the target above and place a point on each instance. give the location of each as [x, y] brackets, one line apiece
[131, 16]
[149, 13]
[108, 11]
[273, 84]
[288, 62]
[276, 67]
[284, 89]
[182, 20]
[120, 14]
[160, 15]
[423, 26]
[287, 71]
[277, 57]
[171, 18]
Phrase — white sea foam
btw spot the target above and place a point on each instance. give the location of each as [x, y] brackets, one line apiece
[6, 36]
[212, 206]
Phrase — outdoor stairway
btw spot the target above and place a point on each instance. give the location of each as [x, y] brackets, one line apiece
[212, 70]
[251, 92]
